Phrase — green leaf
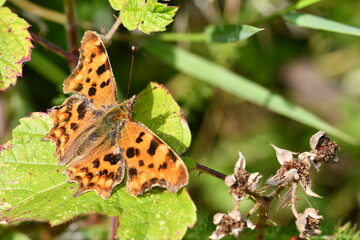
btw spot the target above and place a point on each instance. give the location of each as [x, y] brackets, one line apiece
[166, 120]
[319, 23]
[32, 186]
[148, 16]
[230, 33]
[237, 85]
[15, 47]
[117, 4]
[2, 2]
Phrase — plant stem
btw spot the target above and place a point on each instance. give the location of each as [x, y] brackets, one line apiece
[70, 26]
[59, 51]
[210, 171]
[46, 13]
[113, 29]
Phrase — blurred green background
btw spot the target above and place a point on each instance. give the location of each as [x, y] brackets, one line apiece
[317, 70]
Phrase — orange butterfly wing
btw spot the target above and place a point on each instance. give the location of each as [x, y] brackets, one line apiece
[150, 162]
[100, 170]
[93, 76]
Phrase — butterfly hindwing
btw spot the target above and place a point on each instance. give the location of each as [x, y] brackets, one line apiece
[150, 162]
[100, 170]
[73, 123]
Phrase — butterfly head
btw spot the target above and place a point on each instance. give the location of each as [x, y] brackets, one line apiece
[120, 112]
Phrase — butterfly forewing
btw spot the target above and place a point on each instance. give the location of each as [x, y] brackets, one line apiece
[93, 75]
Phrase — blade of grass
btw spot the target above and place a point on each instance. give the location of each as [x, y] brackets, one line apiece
[296, 6]
[46, 68]
[319, 23]
[237, 85]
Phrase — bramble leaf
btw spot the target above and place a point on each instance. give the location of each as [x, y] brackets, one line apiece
[230, 33]
[15, 47]
[147, 16]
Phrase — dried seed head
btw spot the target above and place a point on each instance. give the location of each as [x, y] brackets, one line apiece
[283, 155]
[323, 148]
[308, 223]
[230, 224]
[242, 180]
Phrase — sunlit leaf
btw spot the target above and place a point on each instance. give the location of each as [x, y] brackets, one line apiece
[147, 16]
[15, 47]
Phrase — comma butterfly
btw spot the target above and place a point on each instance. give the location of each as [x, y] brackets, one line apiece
[95, 133]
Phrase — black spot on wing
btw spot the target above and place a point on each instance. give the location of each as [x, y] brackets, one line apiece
[101, 48]
[163, 166]
[79, 87]
[96, 163]
[81, 110]
[74, 126]
[92, 91]
[101, 69]
[151, 165]
[112, 158]
[103, 172]
[132, 172]
[139, 138]
[141, 163]
[104, 84]
[130, 152]
[153, 146]
[171, 155]
[88, 80]
[90, 175]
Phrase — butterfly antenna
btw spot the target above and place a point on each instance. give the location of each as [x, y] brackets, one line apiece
[131, 70]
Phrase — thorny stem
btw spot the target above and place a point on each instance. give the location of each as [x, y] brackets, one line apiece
[113, 227]
[210, 171]
[71, 26]
[49, 45]
[113, 29]
[293, 201]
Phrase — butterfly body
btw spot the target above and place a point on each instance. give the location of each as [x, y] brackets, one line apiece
[95, 134]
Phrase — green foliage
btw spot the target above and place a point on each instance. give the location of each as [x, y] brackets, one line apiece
[147, 16]
[15, 47]
[230, 33]
[237, 85]
[319, 23]
[211, 48]
[33, 187]
[163, 115]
